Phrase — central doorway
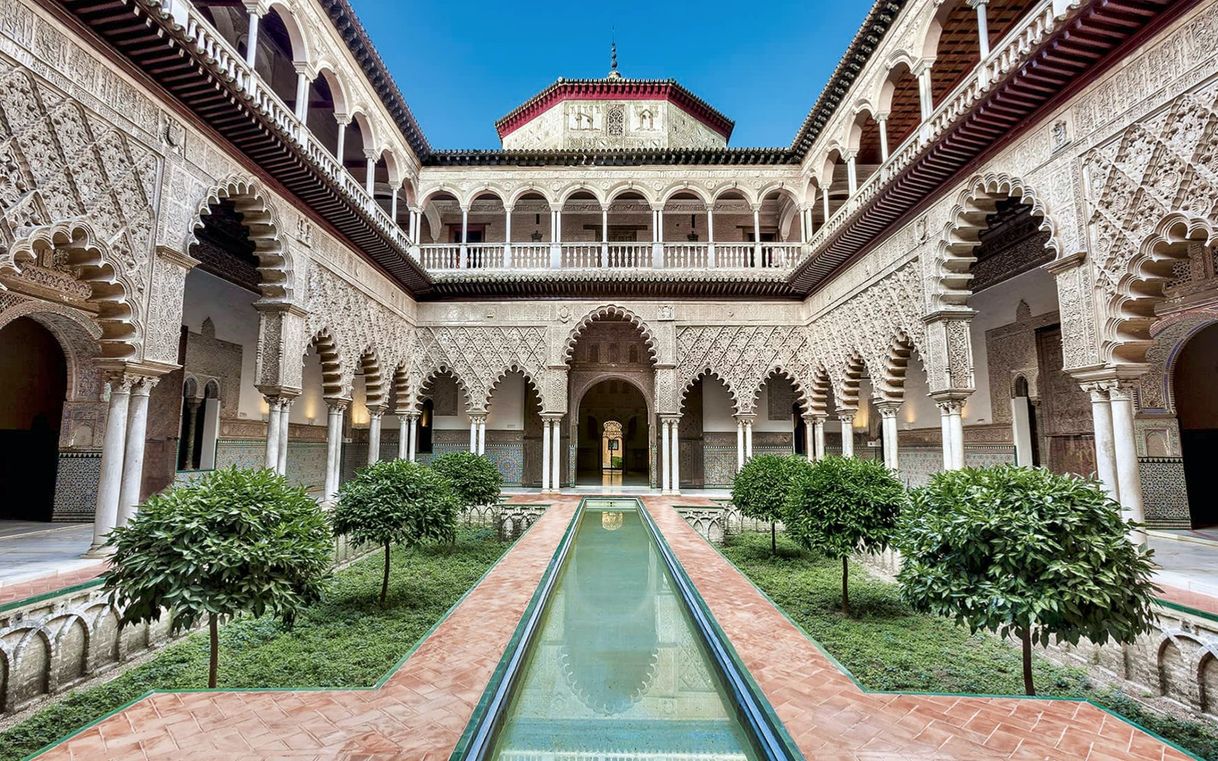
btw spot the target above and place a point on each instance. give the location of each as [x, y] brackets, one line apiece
[613, 443]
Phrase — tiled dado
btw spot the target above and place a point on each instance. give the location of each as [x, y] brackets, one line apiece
[76, 477]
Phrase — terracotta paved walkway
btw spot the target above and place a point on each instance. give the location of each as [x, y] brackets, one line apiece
[831, 719]
[421, 711]
[418, 715]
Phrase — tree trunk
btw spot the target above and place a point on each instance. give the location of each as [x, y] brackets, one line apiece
[213, 662]
[846, 585]
[1026, 636]
[385, 578]
[773, 539]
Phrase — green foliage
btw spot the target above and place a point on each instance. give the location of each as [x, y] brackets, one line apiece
[233, 541]
[890, 646]
[395, 502]
[343, 641]
[476, 480]
[1009, 549]
[761, 487]
[840, 505]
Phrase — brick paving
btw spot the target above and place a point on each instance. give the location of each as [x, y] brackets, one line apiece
[832, 719]
[418, 714]
[422, 709]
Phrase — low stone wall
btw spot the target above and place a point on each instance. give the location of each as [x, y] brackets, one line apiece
[508, 520]
[52, 643]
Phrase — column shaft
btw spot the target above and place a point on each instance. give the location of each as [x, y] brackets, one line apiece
[748, 439]
[272, 432]
[109, 486]
[847, 435]
[665, 457]
[285, 427]
[403, 437]
[1105, 452]
[374, 438]
[133, 455]
[334, 449]
[1129, 479]
[556, 455]
[545, 455]
[739, 443]
[676, 456]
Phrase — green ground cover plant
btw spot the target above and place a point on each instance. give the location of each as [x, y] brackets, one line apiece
[345, 640]
[888, 646]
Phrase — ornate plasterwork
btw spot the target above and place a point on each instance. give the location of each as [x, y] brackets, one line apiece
[742, 357]
[70, 179]
[478, 357]
[875, 327]
[356, 325]
[1153, 190]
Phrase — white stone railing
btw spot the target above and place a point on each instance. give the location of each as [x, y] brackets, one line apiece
[453, 257]
[1010, 52]
[230, 65]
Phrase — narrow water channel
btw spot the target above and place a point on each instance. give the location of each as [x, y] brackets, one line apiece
[618, 670]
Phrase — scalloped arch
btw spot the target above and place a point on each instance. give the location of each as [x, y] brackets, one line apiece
[262, 224]
[514, 368]
[610, 311]
[95, 265]
[707, 372]
[966, 221]
[1139, 289]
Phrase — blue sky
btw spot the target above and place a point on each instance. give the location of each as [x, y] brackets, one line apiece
[462, 65]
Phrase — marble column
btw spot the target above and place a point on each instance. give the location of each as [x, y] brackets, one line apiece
[739, 442]
[809, 438]
[952, 427]
[983, 27]
[847, 420]
[133, 454]
[473, 434]
[482, 435]
[818, 436]
[1128, 476]
[404, 423]
[748, 438]
[274, 412]
[334, 445]
[556, 456]
[413, 453]
[545, 455]
[665, 456]
[888, 429]
[251, 39]
[114, 444]
[675, 449]
[374, 434]
[285, 428]
[1105, 451]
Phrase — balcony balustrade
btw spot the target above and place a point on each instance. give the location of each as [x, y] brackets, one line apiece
[454, 258]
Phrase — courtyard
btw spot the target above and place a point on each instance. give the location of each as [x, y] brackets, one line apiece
[578, 383]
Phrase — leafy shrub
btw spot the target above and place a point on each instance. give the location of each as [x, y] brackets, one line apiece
[841, 505]
[475, 479]
[1025, 552]
[233, 541]
[760, 489]
[395, 502]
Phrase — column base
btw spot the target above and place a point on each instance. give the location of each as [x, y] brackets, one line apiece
[98, 552]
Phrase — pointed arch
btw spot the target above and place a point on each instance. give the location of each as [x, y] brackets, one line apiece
[610, 312]
[266, 232]
[966, 221]
[98, 267]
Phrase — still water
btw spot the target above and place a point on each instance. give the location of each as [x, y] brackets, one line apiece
[618, 670]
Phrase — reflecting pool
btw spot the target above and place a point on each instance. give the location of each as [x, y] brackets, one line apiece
[618, 670]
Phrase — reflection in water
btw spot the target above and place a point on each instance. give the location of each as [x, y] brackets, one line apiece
[617, 666]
